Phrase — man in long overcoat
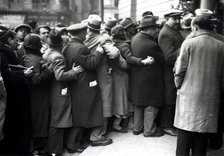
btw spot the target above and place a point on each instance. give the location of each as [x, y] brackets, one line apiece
[147, 81]
[170, 41]
[85, 92]
[199, 79]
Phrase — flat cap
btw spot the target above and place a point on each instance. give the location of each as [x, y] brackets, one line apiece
[23, 26]
[173, 13]
[77, 26]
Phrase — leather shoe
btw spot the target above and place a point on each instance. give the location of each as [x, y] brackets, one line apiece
[137, 132]
[157, 133]
[101, 142]
[170, 131]
[122, 130]
[77, 150]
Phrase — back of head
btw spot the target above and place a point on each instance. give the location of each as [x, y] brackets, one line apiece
[32, 42]
[5, 33]
[203, 22]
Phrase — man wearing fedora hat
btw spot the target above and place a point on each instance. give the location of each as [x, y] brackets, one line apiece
[170, 41]
[60, 116]
[104, 70]
[130, 28]
[147, 81]
[87, 107]
[109, 24]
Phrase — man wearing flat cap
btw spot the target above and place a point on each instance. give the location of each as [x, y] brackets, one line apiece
[86, 103]
[21, 31]
[170, 41]
[147, 81]
[199, 80]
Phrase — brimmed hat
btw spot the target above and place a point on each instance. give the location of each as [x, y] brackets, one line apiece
[76, 27]
[110, 23]
[5, 30]
[149, 13]
[186, 21]
[94, 22]
[127, 22]
[55, 38]
[173, 13]
[148, 21]
[23, 26]
[206, 12]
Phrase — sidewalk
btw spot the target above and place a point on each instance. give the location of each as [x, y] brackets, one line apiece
[132, 145]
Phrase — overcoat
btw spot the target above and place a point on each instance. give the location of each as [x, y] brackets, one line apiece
[85, 92]
[39, 89]
[17, 114]
[60, 98]
[2, 106]
[147, 81]
[120, 75]
[103, 72]
[170, 41]
[199, 77]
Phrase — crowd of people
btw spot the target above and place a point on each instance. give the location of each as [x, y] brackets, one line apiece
[68, 87]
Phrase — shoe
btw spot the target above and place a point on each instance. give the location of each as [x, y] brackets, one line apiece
[137, 132]
[101, 142]
[157, 133]
[77, 150]
[170, 131]
[122, 130]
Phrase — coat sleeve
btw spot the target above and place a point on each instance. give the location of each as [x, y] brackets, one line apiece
[127, 55]
[60, 72]
[169, 50]
[86, 59]
[182, 65]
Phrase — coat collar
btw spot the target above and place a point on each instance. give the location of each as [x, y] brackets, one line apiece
[174, 32]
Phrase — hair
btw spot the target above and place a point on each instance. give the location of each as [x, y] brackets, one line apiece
[94, 31]
[203, 22]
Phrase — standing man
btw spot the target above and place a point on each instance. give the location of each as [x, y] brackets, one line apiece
[130, 28]
[85, 92]
[170, 41]
[199, 79]
[147, 81]
[104, 70]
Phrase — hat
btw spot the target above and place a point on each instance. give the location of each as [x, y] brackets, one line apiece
[55, 38]
[173, 13]
[94, 22]
[23, 26]
[126, 22]
[110, 23]
[186, 21]
[78, 26]
[5, 30]
[32, 42]
[148, 21]
[206, 12]
[149, 13]
[115, 31]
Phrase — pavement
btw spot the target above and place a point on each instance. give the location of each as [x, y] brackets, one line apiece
[132, 145]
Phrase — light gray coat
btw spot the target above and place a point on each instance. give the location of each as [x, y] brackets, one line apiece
[199, 76]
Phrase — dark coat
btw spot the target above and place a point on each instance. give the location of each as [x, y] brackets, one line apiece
[85, 92]
[17, 115]
[170, 42]
[104, 69]
[39, 86]
[60, 103]
[120, 75]
[147, 81]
